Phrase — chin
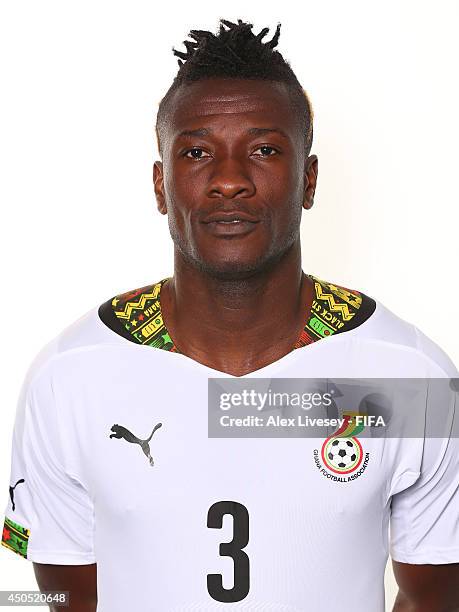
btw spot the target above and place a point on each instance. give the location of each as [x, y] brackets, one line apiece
[234, 270]
[230, 266]
[230, 274]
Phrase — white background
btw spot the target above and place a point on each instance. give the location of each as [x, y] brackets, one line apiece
[81, 82]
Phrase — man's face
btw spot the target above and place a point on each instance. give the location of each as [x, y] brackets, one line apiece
[246, 156]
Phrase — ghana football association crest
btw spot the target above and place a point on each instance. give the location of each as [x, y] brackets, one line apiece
[341, 457]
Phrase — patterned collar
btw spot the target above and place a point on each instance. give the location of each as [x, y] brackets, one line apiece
[136, 315]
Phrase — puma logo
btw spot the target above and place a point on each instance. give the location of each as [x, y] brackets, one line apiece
[122, 432]
[12, 492]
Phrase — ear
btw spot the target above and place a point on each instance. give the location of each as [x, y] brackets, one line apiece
[158, 182]
[311, 168]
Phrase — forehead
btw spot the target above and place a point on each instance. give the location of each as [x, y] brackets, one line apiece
[239, 101]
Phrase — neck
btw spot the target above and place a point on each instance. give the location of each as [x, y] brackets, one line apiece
[237, 324]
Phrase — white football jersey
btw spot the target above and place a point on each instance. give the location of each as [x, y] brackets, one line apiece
[112, 464]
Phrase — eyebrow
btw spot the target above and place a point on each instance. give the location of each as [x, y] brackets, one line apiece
[255, 131]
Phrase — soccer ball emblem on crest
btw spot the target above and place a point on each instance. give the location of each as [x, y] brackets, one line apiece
[342, 455]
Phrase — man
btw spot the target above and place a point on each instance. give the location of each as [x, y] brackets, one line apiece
[112, 465]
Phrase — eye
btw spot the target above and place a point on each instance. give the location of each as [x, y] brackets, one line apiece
[267, 147]
[194, 149]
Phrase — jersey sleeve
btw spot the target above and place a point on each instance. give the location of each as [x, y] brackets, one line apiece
[49, 517]
[424, 522]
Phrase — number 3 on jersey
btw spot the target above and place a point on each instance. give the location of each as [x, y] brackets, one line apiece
[231, 549]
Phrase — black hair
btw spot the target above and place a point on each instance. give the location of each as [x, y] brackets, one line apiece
[237, 53]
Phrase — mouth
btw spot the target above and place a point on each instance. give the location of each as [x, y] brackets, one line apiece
[230, 227]
[230, 223]
[233, 221]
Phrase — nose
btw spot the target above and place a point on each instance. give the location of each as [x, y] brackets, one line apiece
[229, 179]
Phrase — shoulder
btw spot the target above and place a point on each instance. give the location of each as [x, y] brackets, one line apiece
[101, 326]
[84, 333]
[392, 331]
[381, 328]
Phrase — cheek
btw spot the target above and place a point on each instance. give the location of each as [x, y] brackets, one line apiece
[177, 220]
[181, 199]
[182, 181]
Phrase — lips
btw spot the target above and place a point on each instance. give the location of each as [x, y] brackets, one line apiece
[229, 223]
[230, 217]
[230, 227]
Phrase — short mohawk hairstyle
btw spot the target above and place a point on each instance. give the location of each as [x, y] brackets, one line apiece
[237, 53]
